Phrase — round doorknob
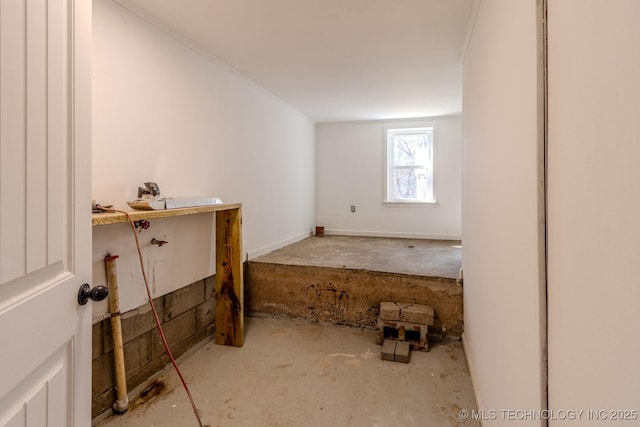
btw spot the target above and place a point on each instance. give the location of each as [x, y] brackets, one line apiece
[86, 293]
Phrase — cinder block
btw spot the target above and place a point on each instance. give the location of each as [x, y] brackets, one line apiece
[388, 350]
[401, 332]
[137, 352]
[403, 352]
[389, 311]
[210, 287]
[103, 372]
[96, 340]
[137, 322]
[183, 299]
[107, 336]
[416, 313]
[137, 377]
[175, 331]
[179, 349]
[205, 314]
[414, 334]
[101, 402]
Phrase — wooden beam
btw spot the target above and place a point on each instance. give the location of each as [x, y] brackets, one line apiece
[116, 217]
[229, 278]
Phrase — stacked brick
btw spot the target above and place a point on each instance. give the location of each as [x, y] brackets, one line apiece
[406, 322]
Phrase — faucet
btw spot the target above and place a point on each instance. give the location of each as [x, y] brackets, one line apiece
[151, 189]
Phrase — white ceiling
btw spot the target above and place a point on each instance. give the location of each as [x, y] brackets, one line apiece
[334, 60]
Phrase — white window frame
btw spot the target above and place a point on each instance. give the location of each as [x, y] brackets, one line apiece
[390, 132]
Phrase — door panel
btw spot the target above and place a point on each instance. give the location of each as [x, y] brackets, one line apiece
[34, 113]
[36, 136]
[40, 397]
[45, 223]
[13, 135]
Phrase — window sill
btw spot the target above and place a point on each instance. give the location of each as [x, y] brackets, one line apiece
[412, 204]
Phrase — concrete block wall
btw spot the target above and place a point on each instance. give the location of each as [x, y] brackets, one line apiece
[187, 317]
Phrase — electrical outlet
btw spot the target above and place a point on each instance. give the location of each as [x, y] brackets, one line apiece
[353, 208]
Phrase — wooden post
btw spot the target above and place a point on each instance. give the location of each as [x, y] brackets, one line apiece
[229, 278]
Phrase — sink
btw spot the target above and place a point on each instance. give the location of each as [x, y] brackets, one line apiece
[187, 202]
[173, 203]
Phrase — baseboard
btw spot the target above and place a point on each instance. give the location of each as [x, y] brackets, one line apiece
[472, 372]
[401, 235]
[277, 245]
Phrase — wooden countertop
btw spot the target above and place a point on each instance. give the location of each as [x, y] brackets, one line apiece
[116, 217]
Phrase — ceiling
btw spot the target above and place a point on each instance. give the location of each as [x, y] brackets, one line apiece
[334, 60]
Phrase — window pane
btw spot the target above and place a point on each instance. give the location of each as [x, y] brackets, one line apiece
[424, 184]
[404, 184]
[412, 183]
[411, 149]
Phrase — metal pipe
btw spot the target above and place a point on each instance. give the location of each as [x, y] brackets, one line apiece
[122, 403]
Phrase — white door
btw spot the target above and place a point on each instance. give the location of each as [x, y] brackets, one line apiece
[45, 220]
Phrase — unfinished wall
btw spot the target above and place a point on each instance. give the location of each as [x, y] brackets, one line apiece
[502, 232]
[594, 209]
[187, 317]
[351, 171]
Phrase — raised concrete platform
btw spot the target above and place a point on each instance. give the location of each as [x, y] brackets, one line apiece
[342, 280]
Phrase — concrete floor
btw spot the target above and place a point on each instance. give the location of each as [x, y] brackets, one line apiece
[293, 373]
[434, 258]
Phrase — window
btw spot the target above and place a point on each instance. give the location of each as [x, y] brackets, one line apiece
[410, 165]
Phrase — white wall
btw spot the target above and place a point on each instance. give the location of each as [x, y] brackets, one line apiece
[164, 113]
[350, 171]
[502, 246]
[594, 206]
